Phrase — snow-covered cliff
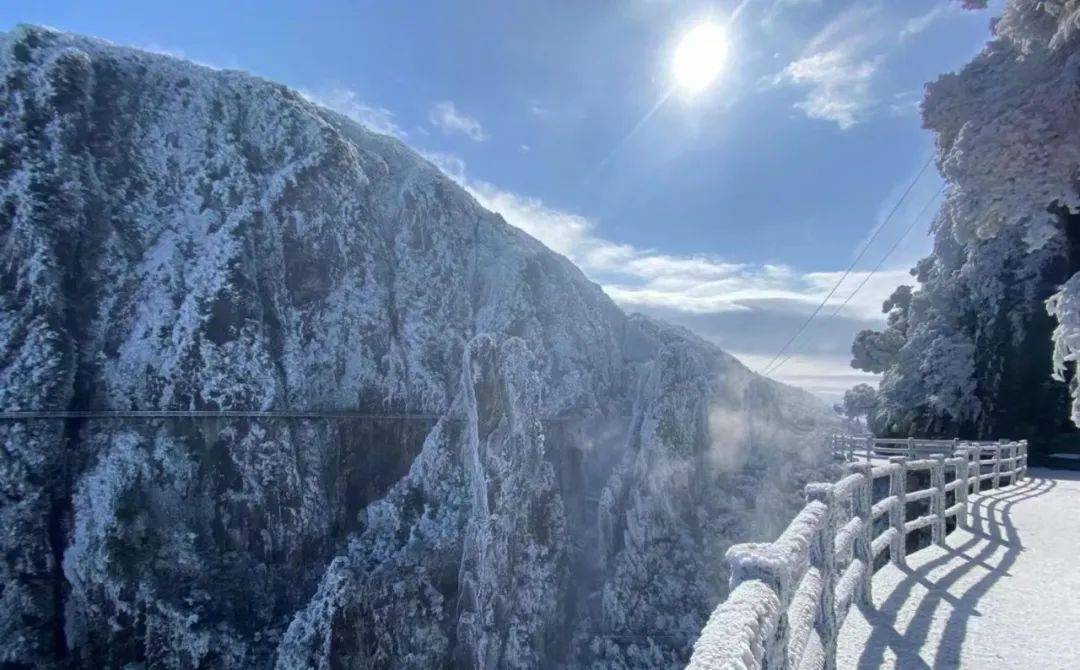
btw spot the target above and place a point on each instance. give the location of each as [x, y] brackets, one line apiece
[174, 237]
[970, 351]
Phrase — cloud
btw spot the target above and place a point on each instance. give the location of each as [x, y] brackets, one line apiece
[918, 24]
[779, 7]
[759, 288]
[839, 85]
[348, 103]
[827, 376]
[839, 66]
[906, 103]
[836, 67]
[445, 115]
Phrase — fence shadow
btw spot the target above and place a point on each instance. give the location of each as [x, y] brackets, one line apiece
[992, 532]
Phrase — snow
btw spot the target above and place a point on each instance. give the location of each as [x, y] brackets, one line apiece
[884, 505]
[801, 614]
[847, 587]
[1002, 593]
[885, 539]
[783, 562]
[845, 538]
[844, 488]
[1065, 307]
[736, 635]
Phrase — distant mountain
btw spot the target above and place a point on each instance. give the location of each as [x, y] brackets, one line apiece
[175, 237]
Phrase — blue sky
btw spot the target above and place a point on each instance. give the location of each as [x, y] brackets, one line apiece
[732, 212]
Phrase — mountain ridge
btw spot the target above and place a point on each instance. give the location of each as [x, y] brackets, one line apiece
[178, 237]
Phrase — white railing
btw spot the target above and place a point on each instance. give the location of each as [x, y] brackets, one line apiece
[852, 447]
[788, 598]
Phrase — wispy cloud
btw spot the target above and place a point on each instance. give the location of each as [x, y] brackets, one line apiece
[347, 102]
[445, 116]
[918, 24]
[906, 103]
[839, 66]
[836, 67]
[773, 10]
[839, 85]
[827, 375]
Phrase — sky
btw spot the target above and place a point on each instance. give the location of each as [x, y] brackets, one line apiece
[733, 212]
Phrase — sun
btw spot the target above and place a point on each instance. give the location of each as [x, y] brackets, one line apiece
[700, 57]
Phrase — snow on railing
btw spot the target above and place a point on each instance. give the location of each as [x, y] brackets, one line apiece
[850, 447]
[788, 598]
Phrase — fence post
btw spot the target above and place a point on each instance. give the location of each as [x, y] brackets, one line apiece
[997, 465]
[754, 562]
[898, 512]
[1024, 455]
[963, 473]
[977, 450]
[863, 506]
[911, 447]
[823, 557]
[937, 482]
[869, 448]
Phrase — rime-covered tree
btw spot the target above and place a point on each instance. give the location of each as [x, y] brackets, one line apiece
[972, 356]
[860, 402]
[876, 351]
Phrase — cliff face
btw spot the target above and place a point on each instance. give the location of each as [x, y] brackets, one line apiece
[173, 237]
[969, 352]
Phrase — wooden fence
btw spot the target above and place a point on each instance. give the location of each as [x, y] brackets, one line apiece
[789, 598]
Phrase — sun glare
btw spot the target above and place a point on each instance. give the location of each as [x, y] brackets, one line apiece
[700, 57]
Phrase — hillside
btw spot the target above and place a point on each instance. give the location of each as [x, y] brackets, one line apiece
[176, 237]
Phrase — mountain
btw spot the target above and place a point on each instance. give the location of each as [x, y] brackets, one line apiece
[510, 472]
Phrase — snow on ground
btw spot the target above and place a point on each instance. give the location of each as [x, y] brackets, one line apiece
[1004, 594]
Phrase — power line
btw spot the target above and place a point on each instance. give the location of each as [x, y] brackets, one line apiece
[894, 247]
[847, 272]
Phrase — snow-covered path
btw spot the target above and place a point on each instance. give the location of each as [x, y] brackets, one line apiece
[1004, 594]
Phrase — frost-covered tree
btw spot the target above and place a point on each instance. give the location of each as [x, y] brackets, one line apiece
[969, 350]
[1063, 306]
[876, 351]
[860, 401]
